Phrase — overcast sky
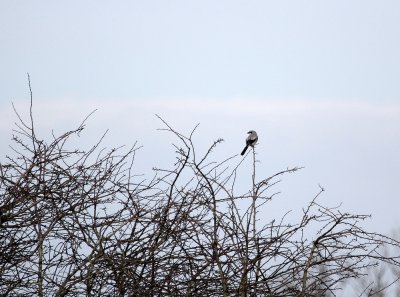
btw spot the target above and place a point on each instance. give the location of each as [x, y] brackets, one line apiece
[318, 81]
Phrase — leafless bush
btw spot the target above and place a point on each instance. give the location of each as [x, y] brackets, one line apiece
[77, 222]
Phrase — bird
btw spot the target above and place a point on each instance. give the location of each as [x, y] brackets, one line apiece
[251, 140]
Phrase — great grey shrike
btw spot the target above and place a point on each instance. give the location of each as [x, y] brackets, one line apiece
[251, 140]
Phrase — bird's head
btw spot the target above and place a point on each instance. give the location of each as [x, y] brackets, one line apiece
[250, 132]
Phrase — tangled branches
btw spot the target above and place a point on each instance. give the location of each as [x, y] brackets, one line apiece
[76, 222]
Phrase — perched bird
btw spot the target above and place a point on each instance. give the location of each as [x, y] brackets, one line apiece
[251, 140]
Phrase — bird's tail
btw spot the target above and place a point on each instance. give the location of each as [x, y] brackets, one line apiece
[244, 150]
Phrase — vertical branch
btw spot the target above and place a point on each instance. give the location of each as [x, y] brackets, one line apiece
[254, 211]
[250, 233]
[41, 179]
[40, 253]
[254, 194]
[31, 113]
[40, 269]
[38, 212]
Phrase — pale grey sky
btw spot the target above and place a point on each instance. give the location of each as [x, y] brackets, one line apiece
[342, 49]
[318, 81]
